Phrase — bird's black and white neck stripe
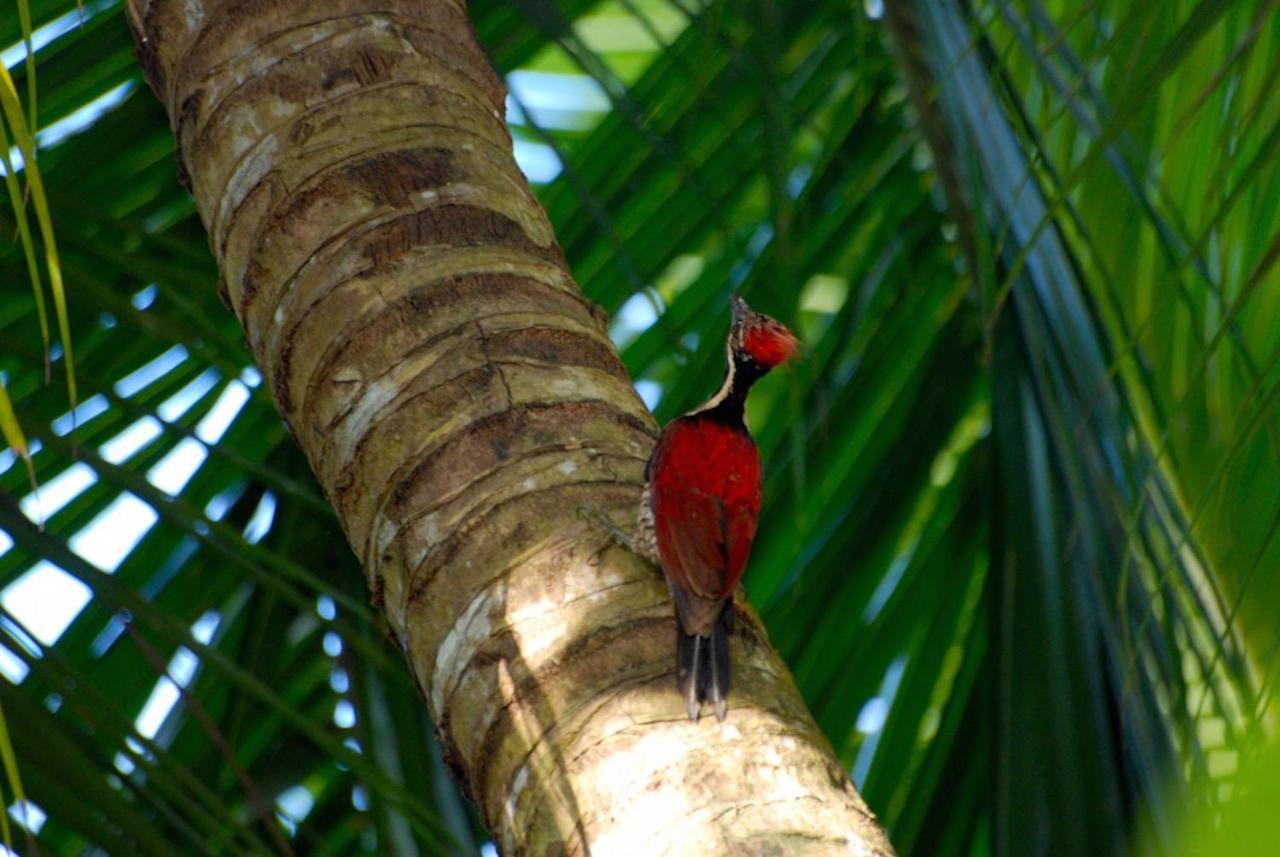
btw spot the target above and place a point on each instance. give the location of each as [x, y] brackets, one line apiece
[728, 405]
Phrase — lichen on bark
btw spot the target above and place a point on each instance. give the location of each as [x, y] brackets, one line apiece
[460, 400]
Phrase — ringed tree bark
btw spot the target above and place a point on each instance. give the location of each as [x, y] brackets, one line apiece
[459, 400]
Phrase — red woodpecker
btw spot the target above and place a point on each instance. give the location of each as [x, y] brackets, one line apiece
[701, 504]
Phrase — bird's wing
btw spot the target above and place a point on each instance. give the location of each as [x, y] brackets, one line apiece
[705, 546]
[740, 531]
[705, 494]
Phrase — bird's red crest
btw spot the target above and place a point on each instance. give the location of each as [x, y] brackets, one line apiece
[768, 342]
[763, 339]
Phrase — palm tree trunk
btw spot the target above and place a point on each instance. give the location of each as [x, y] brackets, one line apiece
[460, 401]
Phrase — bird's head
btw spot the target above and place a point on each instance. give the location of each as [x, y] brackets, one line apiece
[757, 338]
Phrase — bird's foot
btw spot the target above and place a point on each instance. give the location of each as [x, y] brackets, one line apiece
[603, 522]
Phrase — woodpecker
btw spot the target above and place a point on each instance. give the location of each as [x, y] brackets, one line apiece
[701, 504]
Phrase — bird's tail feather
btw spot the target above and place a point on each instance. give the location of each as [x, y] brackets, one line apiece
[702, 666]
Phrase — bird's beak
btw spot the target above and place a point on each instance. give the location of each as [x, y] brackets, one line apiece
[740, 309]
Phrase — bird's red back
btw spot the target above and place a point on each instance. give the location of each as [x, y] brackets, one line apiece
[705, 479]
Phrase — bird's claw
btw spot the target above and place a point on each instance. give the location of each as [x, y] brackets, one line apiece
[616, 535]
